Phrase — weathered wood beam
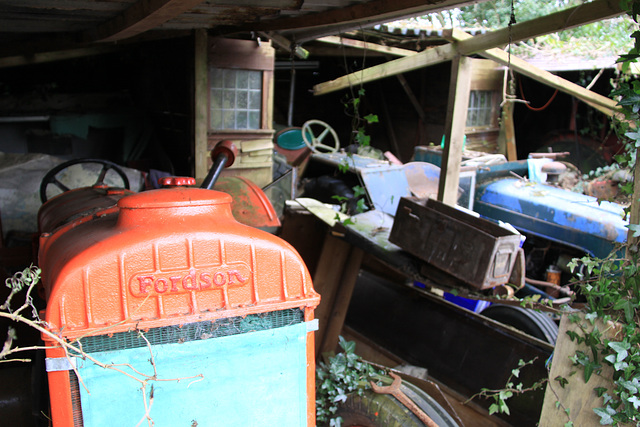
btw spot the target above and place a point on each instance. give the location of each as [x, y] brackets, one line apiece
[457, 107]
[586, 13]
[285, 44]
[431, 56]
[598, 9]
[144, 15]
[367, 46]
[600, 102]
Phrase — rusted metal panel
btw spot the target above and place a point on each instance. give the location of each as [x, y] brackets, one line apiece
[474, 250]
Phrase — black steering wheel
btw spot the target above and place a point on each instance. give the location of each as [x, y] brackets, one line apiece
[50, 177]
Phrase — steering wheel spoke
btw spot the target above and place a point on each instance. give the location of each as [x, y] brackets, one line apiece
[316, 144]
[51, 178]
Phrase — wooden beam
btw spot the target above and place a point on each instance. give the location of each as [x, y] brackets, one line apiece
[457, 107]
[602, 103]
[40, 58]
[144, 15]
[431, 56]
[286, 44]
[583, 14]
[366, 46]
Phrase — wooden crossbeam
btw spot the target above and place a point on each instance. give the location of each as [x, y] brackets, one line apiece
[144, 15]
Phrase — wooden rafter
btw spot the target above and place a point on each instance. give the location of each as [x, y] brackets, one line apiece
[601, 103]
[366, 45]
[144, 15]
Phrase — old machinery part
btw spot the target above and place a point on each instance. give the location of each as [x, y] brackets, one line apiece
[211, 296]
[317, 143]
[531, 322]
[382, 410]
[553, 171]
[223, 156]
[51, 176]
[394, 390]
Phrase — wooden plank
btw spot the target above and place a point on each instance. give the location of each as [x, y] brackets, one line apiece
[241, 54]
[508, 133]
[432, 56]
[247, 146]
[456, 118]
[142, 16]
[342, 41]
[347, 283]
[200, 105]
[604, 104]
[326, 281]
[577, 396]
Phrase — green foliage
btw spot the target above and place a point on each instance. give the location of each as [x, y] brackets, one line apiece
[611, 288]
[501, 396]
[358, 121]
[342, 374]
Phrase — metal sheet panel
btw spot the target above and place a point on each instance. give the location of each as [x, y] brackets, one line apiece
[267, 368]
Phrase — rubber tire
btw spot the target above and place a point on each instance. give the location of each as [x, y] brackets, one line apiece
[383, 410]
[529, 321]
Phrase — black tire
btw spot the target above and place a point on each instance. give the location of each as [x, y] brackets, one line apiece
[529, 321]
[383, 410]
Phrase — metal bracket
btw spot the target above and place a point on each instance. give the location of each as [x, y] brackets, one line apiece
[56, 364]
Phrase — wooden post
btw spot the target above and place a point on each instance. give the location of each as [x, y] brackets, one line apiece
[343, 294]
[201, 104]
[455, 122]
[507, 131]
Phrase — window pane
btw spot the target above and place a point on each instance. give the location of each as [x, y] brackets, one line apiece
[228, 119]
[228, 99]
[479, 112]
[241, 120]
[235, 99]
[254, 119]
[243, 79]
[241, 100]
[255, 80]
[229, 79]
[255, 100]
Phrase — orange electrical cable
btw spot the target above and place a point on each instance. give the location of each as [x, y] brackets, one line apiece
[536, 108]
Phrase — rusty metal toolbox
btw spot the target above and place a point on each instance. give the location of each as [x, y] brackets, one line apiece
[474, 250]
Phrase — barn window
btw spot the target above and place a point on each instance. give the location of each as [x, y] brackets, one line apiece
[235, 99]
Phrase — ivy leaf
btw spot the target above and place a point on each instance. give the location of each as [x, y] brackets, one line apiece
[635, 402]
[620, 348]
[494, 408]
[605, 415]
[628, 308]
[371, 118]
[562, 381]
[635, 228]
